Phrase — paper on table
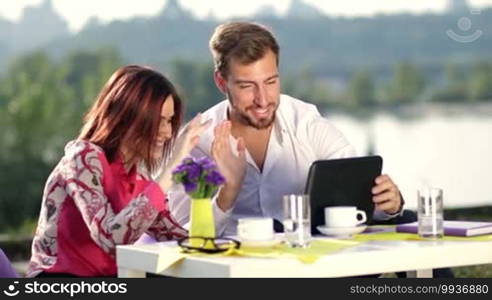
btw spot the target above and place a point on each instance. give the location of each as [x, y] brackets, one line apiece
[172, 255]
[317, 249]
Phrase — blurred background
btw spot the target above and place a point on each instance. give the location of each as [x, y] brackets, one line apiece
[410, 80]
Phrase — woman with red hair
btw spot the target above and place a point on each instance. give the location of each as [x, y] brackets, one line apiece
[101, 193]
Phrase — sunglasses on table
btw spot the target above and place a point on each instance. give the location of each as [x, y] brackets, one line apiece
[207, 244]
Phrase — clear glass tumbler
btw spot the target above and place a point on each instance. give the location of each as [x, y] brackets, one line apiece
[430, 212]
[297, 220]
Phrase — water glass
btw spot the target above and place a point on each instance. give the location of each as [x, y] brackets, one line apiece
[297, 220]
[430, 213]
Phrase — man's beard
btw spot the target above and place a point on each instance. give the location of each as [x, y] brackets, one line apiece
[248, 120]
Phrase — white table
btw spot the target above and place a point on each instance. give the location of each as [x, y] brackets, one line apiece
[418, 258]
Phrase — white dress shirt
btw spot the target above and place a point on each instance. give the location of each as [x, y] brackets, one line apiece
[300, 136]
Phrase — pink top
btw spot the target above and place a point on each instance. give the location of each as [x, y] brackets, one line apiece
[90, 206]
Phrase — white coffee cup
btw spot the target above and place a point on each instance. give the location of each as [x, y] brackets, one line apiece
[255, 229]
[343, 216]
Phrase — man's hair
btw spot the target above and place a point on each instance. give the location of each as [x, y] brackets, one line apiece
[244, 41]
[127, 114]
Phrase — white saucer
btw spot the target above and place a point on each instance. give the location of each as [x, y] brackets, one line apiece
[261, 244]
[341, 231]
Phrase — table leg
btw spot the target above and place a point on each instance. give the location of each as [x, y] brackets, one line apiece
[427, 273]
[130, 273]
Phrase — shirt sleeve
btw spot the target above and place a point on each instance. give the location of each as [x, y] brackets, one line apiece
[327, 141]
[380, 215]
[83, 172]
[221, 217]
[166, 228]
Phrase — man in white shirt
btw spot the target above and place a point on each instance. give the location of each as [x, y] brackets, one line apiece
[264, 142]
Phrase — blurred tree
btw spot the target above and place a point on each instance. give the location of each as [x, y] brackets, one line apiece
[480, 87]
[85, 71]
[41, 108]
[196, 84]
[361, 90]
[304, 85]
[456, 88]
[407, 84]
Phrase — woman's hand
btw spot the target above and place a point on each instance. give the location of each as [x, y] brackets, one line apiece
[188, 139]
[185, 142]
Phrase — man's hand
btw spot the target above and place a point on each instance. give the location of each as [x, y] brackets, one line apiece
[386, 195]
[231, 166]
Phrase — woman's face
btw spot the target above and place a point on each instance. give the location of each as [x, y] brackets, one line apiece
[165, 126]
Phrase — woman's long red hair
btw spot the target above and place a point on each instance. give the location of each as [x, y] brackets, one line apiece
[127, 113]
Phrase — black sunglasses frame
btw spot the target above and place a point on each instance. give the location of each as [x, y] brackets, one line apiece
[231, 243]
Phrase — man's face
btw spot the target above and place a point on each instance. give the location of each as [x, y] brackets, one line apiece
[254, 91]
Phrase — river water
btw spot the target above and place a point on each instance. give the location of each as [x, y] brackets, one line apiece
[450, 152]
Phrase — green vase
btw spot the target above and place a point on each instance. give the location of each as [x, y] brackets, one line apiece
[202, 220]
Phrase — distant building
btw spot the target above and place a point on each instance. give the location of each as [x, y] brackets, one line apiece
[92, 23]
[211, 16]
[174, 11]
[6, 28]
[37, 26]
[266, 12]
[299, 9]
[457, 6]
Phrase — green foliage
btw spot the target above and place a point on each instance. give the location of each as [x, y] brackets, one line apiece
[466, 83]
[306, 86]
[456, 88]
[407, 84]
[24, 230]
[41, 105]
[481, 81]
[361, 90]
[480, 271]
[195, 82]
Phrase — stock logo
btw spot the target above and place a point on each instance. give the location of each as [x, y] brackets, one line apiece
[465, 24]
[11, 290]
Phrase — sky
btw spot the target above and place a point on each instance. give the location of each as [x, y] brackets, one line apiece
[77, 12]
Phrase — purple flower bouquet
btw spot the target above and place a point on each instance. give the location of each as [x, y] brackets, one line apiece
[200, 177]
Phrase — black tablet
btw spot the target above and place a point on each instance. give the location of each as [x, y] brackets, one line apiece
[342, 182]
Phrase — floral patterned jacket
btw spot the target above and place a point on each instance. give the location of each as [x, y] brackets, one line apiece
[90, 206]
